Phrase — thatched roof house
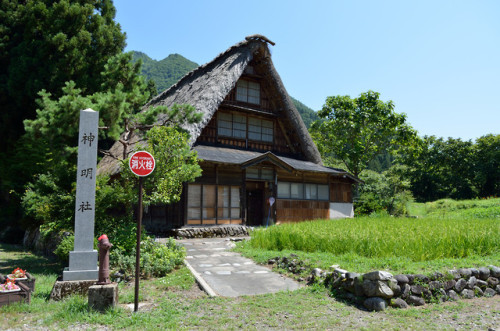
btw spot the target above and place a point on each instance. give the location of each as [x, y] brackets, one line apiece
[254, 146]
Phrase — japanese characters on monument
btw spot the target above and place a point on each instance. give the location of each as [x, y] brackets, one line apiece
[83, 260]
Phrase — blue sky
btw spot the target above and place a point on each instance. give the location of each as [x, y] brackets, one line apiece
[439, 61]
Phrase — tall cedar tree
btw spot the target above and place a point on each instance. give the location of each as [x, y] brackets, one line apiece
[45, 43]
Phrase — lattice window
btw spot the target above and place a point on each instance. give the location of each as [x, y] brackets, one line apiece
[247, 91]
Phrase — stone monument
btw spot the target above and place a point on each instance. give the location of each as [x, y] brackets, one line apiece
[83, 259]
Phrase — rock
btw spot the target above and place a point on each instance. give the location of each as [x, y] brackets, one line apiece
[484, 273]
[449, 284]
[377, 275]
[474, 272]
[434, 285]
[442, 296]
[460, 285]
[482, 284]
[455, 274]
[103, 297]
[415, 301]
[453, 295]
[375, 304]
[316, 272]
[437, 276]
[422, 279]
[471, 283]
[492, 282]
[411, 279]
[465, 273]
[405, 291]
[340, 271]
[494, 271]
[377, 288]
[271, 261]
[477, 291]
[467, 294]
[351, 275]
[497, 288]
[399, 303]
[396, 289]
[489, 292]
[401, 279]
[417, 289]
[62, 289]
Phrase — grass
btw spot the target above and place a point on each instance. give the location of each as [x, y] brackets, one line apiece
[383, 237]
[447, 234]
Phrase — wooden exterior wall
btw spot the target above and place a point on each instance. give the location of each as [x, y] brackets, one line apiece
[292, 211]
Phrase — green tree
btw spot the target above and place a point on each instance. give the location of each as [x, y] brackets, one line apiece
[44, 44]
[443, 169]
[357, 130]
[487, 168]
[387, 191]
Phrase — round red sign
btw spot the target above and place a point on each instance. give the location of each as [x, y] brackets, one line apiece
[142, 163]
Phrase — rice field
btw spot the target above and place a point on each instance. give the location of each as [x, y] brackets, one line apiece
[421, 239]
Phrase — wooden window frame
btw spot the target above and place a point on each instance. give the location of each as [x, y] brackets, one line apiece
[303, 189]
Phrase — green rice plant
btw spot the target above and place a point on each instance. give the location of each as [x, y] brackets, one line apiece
[417, 239]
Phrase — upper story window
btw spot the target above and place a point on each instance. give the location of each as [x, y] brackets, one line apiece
[259, 129]
[235, 125]
[247, 91]
[232, 125]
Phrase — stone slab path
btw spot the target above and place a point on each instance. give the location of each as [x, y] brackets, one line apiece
[222, 272]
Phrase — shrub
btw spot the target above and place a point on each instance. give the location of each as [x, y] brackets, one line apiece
[156, 259]
[66, 245]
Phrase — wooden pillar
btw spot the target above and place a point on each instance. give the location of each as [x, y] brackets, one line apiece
[243, 197]
[216, 194]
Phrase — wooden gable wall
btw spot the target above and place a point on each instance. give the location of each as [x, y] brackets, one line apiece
[285, 141]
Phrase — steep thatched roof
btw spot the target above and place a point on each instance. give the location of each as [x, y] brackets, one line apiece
[206, 87]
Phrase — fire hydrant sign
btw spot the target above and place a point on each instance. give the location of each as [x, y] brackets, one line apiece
[142, 163]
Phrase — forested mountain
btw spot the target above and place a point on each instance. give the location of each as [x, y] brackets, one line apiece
[308, 115]
[168, 71]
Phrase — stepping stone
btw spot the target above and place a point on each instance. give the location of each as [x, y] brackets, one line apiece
[207, 273]
[224, 265]
[261, 272]
[236, 264]
[189, 257]
[223, 272]
[205, 265]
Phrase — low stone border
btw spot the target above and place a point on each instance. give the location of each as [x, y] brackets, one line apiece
[220, 231]
[378, 289]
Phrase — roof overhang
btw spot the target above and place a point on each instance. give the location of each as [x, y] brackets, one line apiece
[267, 157]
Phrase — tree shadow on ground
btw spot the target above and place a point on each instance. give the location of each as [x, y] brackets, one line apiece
[15, 256]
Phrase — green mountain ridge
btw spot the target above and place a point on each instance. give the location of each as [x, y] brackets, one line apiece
[168, 71]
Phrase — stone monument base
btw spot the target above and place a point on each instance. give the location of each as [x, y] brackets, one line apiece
[63, 289]
[103, 297]
[82, 266]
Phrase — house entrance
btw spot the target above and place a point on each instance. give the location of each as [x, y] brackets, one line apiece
[255, 203]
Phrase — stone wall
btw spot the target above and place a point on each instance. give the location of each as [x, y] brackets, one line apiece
[378, 289]
[220, 231]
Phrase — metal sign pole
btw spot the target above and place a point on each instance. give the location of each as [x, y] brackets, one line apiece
[138, 249]
[142, 164]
